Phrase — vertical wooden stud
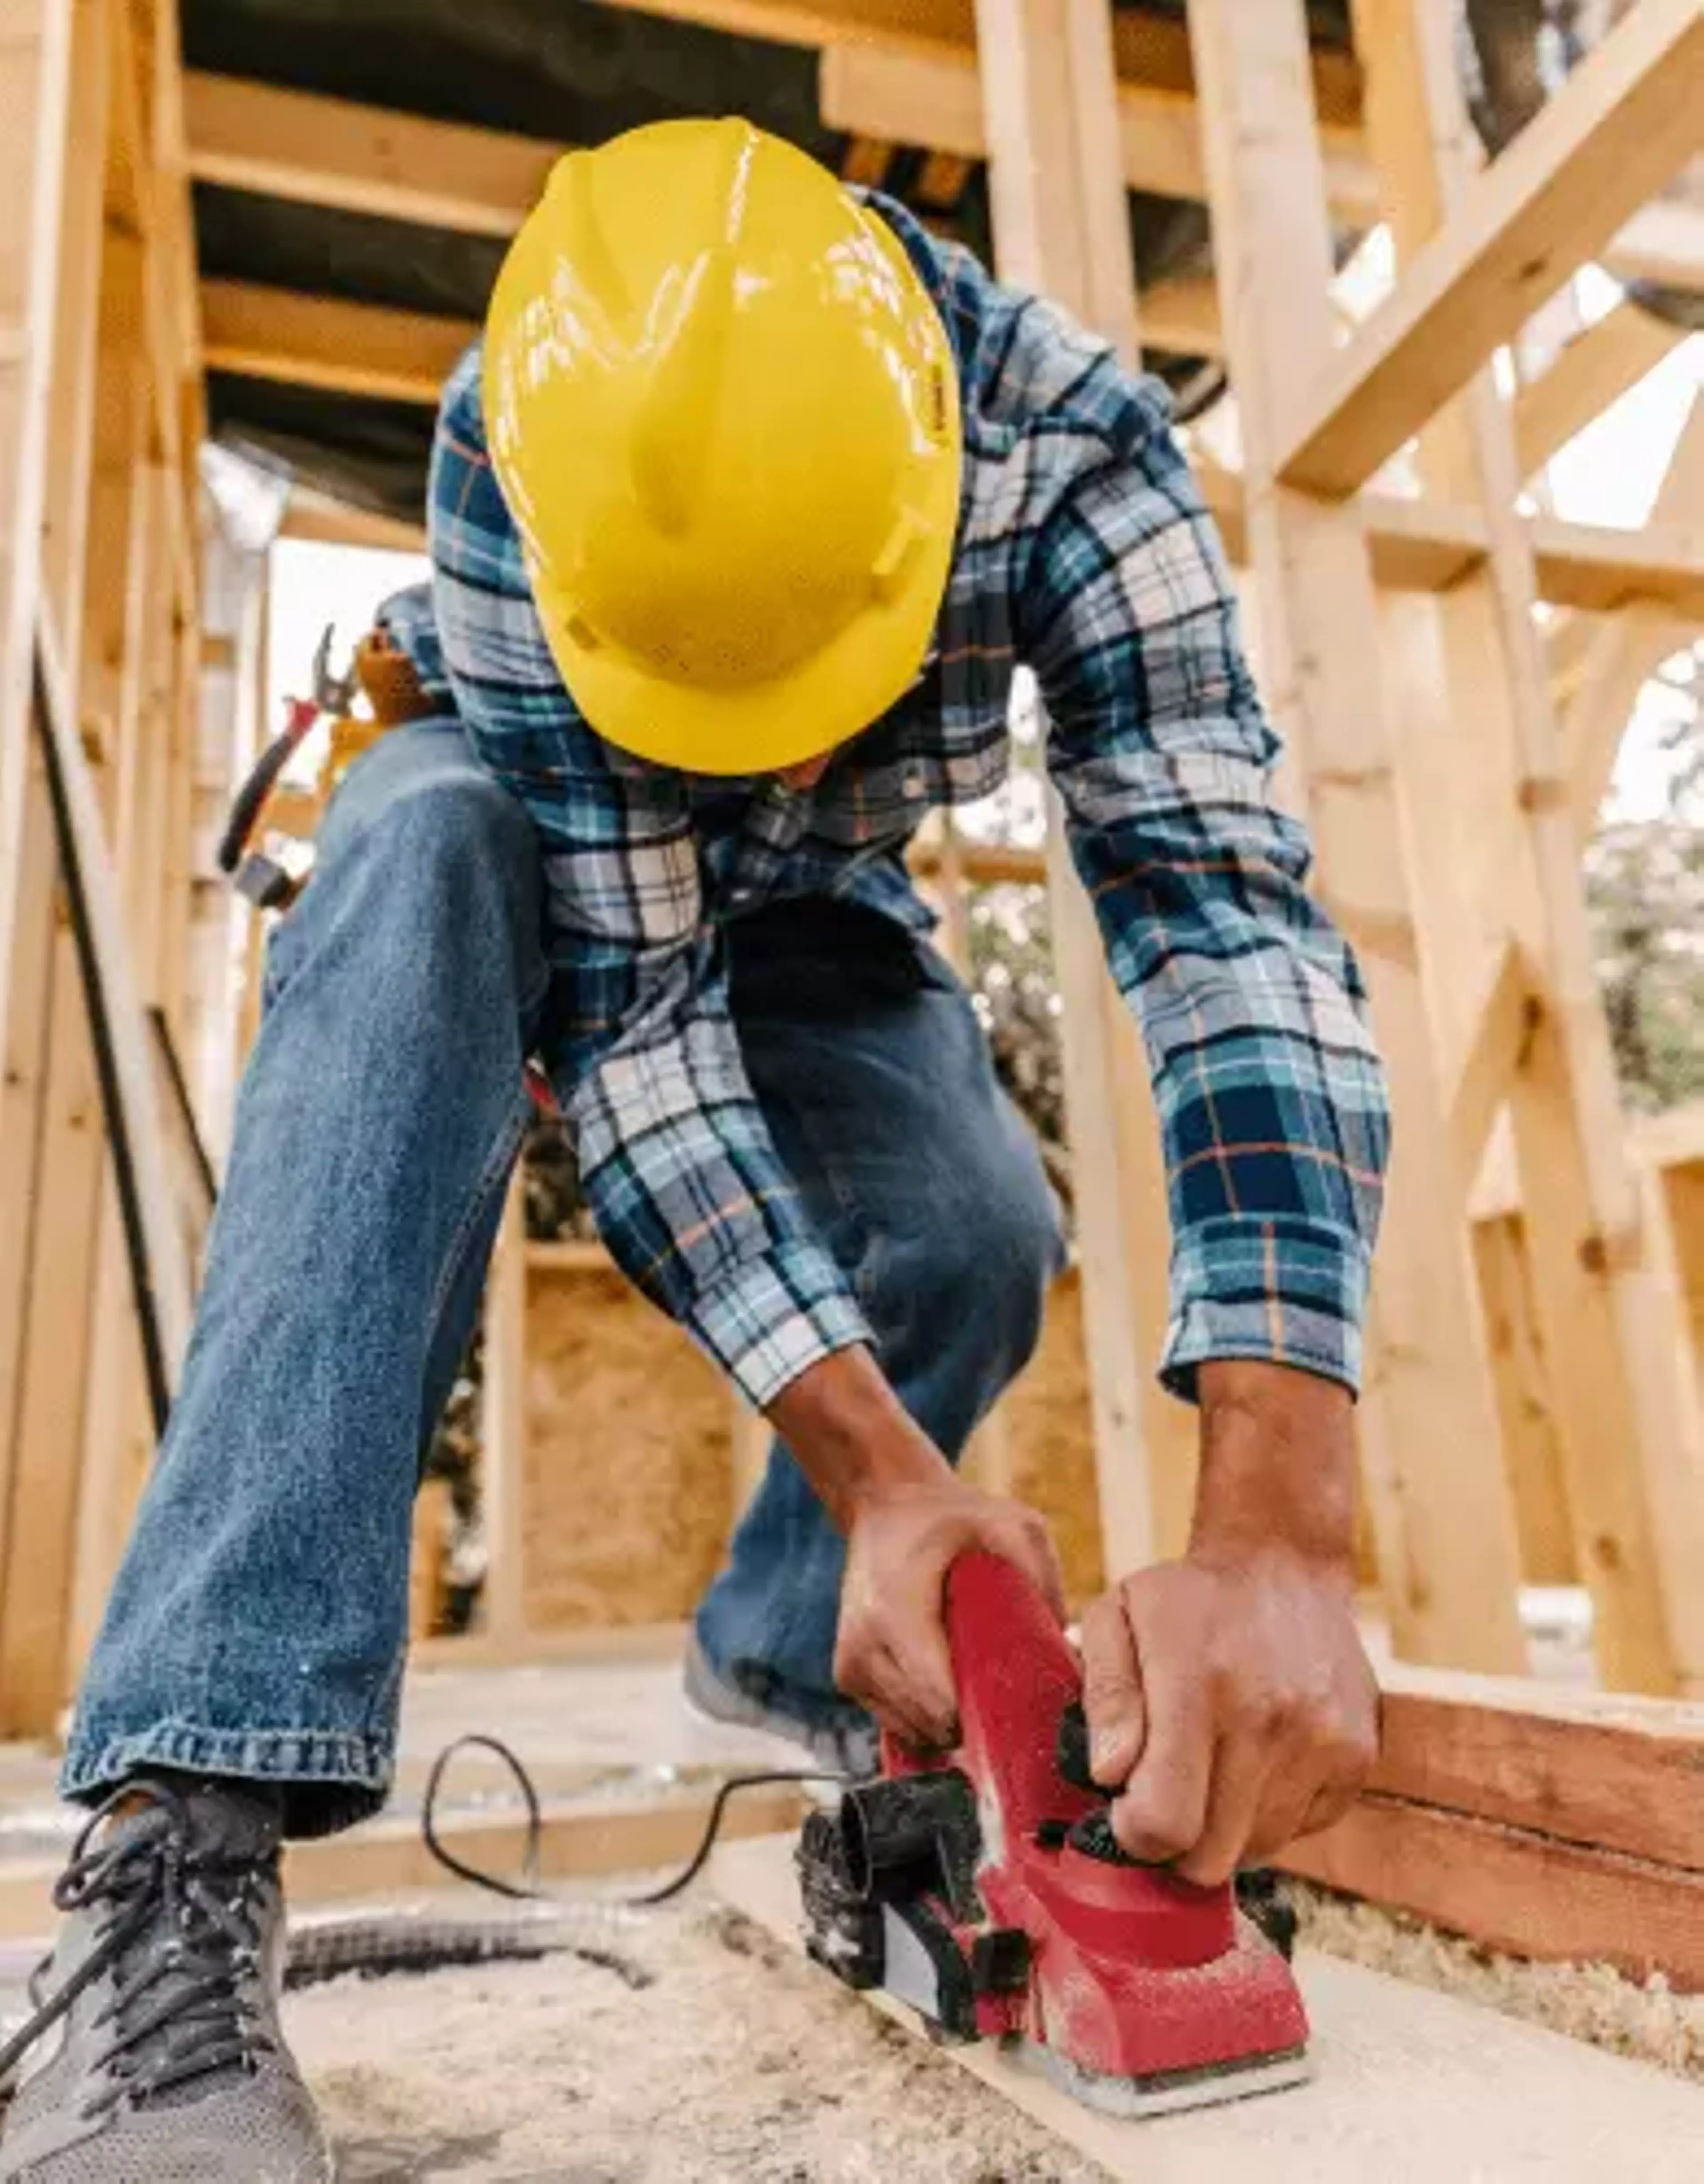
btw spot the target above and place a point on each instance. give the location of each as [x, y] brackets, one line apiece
[1447, 1546]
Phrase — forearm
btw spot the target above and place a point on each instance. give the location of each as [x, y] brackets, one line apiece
[851, 1435]
[1277, 1467]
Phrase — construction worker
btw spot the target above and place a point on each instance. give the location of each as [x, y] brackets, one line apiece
[743, 517]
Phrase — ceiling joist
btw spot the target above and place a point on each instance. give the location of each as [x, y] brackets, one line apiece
[1416, 545]
[321, 341]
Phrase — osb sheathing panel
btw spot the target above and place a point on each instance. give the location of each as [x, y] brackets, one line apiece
[628, 1458]
[629, 1462]
[1047, 1420]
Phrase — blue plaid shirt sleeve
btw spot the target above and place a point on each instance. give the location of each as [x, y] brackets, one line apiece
[676, 1160]
[1269, 1091]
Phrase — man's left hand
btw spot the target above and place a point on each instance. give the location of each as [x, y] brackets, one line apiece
[1229, 1699]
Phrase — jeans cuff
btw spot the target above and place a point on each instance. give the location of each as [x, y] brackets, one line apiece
[330, 1777]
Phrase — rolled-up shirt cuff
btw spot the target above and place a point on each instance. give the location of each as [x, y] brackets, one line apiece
[773, 1318]
[1281, 1289]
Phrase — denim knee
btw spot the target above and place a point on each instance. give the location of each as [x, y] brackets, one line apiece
[422, 860]
[995, 1247]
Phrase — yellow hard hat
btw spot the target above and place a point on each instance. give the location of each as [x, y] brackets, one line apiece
[723, 413]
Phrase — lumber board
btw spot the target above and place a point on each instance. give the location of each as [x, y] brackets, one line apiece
[1608, 1773]
[327, 522]
[1628, 1496]
[1428, 1412]
[35, 96]
[1061, 225]
[1612, 137]
[1622, 655]
[580, 1839]
[319, 341]
[131, 1062]
[1591, 371]
[1410, 2086]
[1514, 1889]
[934, 99]
[316, 150]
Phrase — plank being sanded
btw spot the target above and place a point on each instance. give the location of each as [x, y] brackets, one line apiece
[1411, 2087]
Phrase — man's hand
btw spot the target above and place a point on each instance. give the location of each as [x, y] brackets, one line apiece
[892, 1654]
[906, 1516]
[1228, 1697]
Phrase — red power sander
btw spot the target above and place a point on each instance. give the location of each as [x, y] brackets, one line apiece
[986, 1890]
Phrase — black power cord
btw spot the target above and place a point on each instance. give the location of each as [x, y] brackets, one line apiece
[530, 1888]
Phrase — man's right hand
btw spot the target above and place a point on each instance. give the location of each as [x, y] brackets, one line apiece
[906, 1516]
[892, 1655]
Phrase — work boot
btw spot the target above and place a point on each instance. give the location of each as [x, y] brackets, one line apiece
[168, 2065]
[846, 1743]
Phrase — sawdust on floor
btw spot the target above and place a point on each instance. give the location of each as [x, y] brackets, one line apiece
[697, 2052]
[1649, 2022]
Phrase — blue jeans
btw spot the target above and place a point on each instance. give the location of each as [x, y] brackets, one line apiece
[257, 1626]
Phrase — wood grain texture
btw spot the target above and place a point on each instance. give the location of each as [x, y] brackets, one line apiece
[1411, 2087]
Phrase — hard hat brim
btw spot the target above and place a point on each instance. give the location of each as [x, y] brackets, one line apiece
[836, 694]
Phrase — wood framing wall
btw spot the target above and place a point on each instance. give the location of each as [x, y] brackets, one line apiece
[99, 439]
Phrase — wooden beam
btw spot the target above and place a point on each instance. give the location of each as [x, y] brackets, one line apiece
[1503, 2099]
[45, 1472]
[312, 515]
[504, 1462]
[1628, 1504]
[1614, 133]
[1428, 1412]
[578, 1841]
[35, 96]
[1061, 225]
[1595, 369]
[934, 99]
[1623, 654]
[1607, 1771]
[1507, 1015]
[1181, 315]
[1515, 1888]
[1431, 544]
[315, 150]
[1146, 48]
[321, 341]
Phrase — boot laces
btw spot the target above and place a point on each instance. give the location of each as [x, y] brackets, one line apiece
[180, 1929]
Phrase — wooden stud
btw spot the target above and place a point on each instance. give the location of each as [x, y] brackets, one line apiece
[1495, 661]
[35, 96]
[1532, 1444]
[1061, 226]
[1595, 369]
[1614, 134]
[503, 1441]
[45, 1425]
[1447, 1547]
[320, 341]
[1621, 656]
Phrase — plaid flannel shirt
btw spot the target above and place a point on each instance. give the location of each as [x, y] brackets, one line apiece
[1084, 551]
